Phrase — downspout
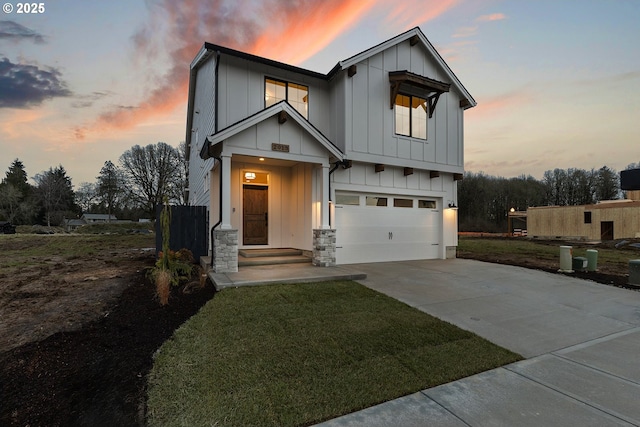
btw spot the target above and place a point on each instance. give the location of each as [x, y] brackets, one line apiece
[333, 169]
[219, 159]
[215, 119]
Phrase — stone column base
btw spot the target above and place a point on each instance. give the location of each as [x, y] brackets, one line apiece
[225, 251]
[451, 252]
[324, 248]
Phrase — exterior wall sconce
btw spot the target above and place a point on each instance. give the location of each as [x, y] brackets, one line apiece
[379, 167]
[452, 205]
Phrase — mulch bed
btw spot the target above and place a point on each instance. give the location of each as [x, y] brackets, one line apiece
[95, 376]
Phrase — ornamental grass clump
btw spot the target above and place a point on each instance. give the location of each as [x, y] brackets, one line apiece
[172, 266]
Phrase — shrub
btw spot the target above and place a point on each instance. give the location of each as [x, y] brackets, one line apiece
[172, 266]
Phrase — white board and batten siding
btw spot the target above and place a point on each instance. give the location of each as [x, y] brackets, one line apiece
[368, 132]
[202, 126]
[242, 91]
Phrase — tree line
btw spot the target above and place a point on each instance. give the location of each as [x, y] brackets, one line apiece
[485, 200]
[143, 178]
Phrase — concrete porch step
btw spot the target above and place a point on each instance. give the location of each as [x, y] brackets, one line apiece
[272, 260]
[277, 252]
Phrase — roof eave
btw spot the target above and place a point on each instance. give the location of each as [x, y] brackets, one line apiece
[268, 113]
[342, 65]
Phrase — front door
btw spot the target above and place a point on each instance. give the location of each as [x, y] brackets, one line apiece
[255, 215]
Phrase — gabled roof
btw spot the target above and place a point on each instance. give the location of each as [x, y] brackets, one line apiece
[282, 106]
[416, 36]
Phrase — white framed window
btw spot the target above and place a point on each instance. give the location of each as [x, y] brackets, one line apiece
[295, 94]
[411, 116]
[376, 201]
[347, 199]
[426, 204]
[402, 203]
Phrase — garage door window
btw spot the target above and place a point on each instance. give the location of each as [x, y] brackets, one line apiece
[376, 201]
[427, 204]
[403, 203]
[347, 199]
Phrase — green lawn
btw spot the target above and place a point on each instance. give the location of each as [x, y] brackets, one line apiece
[291, 355]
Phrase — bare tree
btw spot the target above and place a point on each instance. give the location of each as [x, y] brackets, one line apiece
[152, 174]
[181, 179]
[86, 196]
[10, 198]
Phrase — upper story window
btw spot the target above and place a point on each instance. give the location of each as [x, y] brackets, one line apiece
[295, 94]
[411, 116]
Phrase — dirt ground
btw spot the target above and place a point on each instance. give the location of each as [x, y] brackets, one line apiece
[606, 274]
[77, 338]
[78, 334]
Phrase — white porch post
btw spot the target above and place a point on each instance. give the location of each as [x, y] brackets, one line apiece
[324, 238]
[226, 192]
[225, 244]
[324, 215]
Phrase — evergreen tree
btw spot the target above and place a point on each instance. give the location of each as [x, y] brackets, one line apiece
[56, 195]
[607, 184]
[16, 195]
[110, 186]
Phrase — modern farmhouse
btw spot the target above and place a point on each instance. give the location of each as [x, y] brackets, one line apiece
[357, 165]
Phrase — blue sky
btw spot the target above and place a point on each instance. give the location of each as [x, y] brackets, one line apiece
[556, 82]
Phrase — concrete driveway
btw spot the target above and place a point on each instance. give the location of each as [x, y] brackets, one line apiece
[581, 341]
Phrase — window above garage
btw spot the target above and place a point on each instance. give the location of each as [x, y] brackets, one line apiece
[414, 85]
[411, 116]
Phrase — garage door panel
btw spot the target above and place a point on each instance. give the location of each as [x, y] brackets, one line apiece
[375, 233]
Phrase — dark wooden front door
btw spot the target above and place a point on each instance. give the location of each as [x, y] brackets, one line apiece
[255, 215]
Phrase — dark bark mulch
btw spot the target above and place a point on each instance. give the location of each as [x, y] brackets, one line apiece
[95, 376]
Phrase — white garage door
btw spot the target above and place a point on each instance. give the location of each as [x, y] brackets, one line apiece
[373, 228]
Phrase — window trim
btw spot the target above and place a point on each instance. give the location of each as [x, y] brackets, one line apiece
[395, 116]
[286, 93]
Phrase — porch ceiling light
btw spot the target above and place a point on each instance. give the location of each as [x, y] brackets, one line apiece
[249, 175]
[261, 159]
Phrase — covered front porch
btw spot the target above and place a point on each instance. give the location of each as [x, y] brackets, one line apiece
[269, 188]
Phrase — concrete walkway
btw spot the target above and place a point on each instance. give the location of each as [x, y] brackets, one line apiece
[581, 341]
[283, 273]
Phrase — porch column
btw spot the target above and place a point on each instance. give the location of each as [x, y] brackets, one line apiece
[226, 192]
[324, 213]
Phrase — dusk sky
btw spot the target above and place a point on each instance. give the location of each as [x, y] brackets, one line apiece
[557, 81]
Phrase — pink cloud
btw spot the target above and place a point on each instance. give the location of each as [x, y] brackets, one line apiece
[492, 17]
[500, 103]
[284, 31]
[412, 14]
